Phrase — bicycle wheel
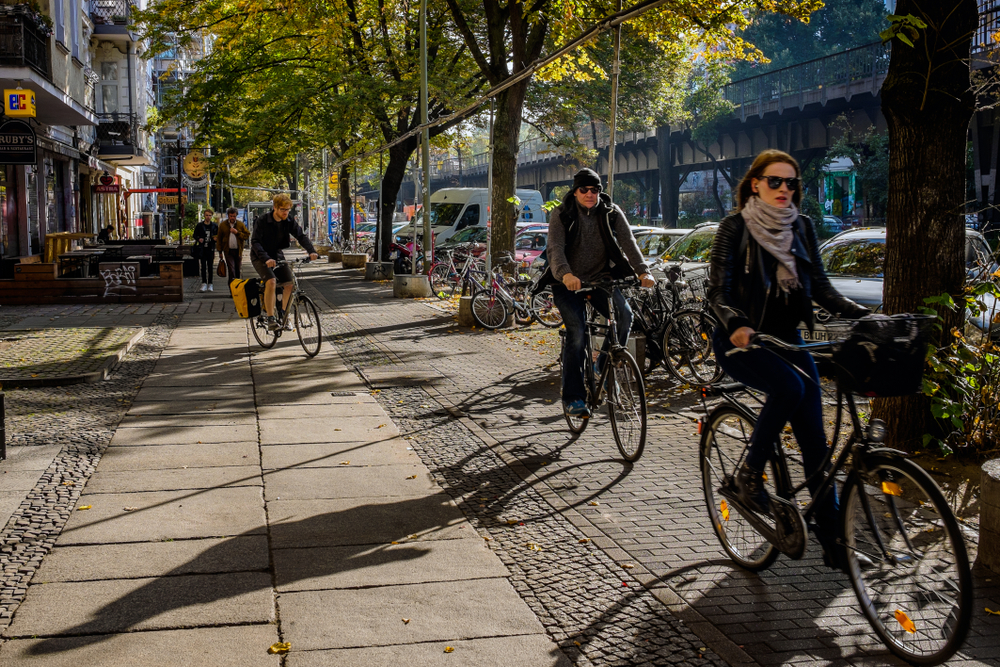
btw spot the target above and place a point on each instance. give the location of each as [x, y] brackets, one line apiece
[687, 344]
[258, 327]
[724, 438]
[441, 283]
[489, 309]
[307, 325]
[545, 309]
[627, 406]
[919, 597]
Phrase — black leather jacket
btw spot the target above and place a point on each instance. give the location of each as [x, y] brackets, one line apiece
[741, 272]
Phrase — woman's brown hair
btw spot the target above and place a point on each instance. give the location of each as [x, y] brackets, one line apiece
[760, 163]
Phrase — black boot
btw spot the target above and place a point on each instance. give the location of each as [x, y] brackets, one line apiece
[750, 487]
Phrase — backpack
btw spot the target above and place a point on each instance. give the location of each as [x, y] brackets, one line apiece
[545, 277]
[246, 295]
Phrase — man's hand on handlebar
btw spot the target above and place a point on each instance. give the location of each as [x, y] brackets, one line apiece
[313, 256]
[571, 282]
[741, 337]
[647, 280]
[271, 263]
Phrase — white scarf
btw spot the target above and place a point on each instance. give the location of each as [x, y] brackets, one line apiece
[771, 227]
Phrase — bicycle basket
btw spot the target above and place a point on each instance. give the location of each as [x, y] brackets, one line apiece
[884, 356]
[695, 288]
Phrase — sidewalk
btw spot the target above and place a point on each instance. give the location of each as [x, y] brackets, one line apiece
[251, 498]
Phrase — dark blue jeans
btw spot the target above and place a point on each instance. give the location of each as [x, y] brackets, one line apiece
[573, 308]
[791, 399]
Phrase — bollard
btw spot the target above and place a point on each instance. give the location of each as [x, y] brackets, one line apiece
[3, 428]
[334, 256]
[989, 516]
[354, 260]
[378, 271]
[465, 318]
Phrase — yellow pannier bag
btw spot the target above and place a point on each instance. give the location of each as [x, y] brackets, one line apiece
[247, 294]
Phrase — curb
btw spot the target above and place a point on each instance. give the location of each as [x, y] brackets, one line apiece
[94, 376]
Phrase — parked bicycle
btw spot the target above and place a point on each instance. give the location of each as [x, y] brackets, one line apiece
[301, 310]
[611, 375]
[904, 551]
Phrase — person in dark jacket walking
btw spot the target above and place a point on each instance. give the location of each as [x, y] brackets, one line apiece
[232, 235]
[764, 276]
[589, 240]
[204, 237]
[272, 233]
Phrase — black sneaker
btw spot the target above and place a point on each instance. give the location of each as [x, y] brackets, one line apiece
[750, 487]
[272, 324]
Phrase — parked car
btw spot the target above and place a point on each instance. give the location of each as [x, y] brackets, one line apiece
[473, 237]
[530, 244]
[855, 259]
[694, 249]
[655, 242]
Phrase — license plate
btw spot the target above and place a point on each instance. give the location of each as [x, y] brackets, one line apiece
[817, 336]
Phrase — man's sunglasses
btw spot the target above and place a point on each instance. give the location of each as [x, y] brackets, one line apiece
[587, 189]
[774, 182]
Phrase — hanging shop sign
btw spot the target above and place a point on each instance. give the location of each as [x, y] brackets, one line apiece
[18, 144]
[107, 185]
[19, 103]
[195, 164]
[170, 200]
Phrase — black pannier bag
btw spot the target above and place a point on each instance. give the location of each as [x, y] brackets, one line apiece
[884, 355]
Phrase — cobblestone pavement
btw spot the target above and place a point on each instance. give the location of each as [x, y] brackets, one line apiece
[56, 435]
[491, 429]
[44, 354]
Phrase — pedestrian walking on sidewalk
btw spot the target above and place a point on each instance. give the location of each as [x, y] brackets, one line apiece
[232, 235]
[272, 233]
[204, 237]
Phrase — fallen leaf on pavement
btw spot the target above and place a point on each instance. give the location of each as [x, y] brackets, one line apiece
[990, 611]
[628, 566]
[83, 507]
[345, 463]
[533, 547]
[449, 649]
[406, 620]
[279, 647]
[130, 509]
[594, 503]
[584, 540]
[412, 477]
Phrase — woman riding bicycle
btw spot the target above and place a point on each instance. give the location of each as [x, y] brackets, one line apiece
[764, 276]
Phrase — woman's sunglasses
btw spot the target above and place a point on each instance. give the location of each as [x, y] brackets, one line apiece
[774, 182]
[596, 189]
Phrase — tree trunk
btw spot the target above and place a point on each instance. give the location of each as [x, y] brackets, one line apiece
[927, 102]
[392, 180]
[506, 132]
[715, 191]
[345, 202]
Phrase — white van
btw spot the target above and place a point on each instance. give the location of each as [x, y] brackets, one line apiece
[454, 209]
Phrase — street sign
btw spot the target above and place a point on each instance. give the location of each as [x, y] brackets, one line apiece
[19, 103]
[107, 189]
[168, 200]
[195, 164]
[334, 181]
[17, 143]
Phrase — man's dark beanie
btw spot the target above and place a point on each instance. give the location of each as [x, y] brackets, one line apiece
[586, 177]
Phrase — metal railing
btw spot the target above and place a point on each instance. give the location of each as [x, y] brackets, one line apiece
[989, 24]
[22, 44]
[111, 12]
[839, 75]
[118, 129]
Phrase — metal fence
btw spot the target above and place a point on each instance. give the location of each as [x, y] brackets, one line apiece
[22, 44]
[116, 12]
[118, 129]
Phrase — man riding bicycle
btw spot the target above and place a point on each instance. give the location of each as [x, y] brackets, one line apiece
[272, 233]
[589, 241]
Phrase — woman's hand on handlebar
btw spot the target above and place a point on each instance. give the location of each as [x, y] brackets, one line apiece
[741, 337]
[571, 282]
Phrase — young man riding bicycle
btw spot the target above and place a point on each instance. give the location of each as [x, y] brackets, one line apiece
[589, 240]
[272, 233]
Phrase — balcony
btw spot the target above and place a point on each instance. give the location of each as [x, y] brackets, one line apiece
[118, 139]
[111, 19]
[23, 40]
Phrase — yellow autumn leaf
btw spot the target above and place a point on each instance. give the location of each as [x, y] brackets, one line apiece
[449, 649]
[345, 463]
[725, 510]
[628, 566]
[130, 509]
[83, 507]
[279, 647]
[990, 611]
[412, 477]
[905, 621]
[594, 503]
[533, 546]
[584, 540]
[406, 621]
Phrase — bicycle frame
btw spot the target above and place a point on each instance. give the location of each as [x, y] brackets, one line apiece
[610, 330]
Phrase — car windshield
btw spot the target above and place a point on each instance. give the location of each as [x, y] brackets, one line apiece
[531, 241]
[695, 247]
[654, 244]
[470, 235]
[444, 215]
[860, 258]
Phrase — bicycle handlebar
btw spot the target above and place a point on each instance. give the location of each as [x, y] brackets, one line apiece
[608, 284]
[758, 338]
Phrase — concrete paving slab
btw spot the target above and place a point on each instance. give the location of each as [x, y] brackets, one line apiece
[29, 458]
[518, 651]
[437, 612]
[186, 435]
[215, 404]
[165, 457]
[161, 394]
[239, 646]
[407, 563]
[135, 481]
[155, 559]
[345, 429]
[126, 605]
[385, 377]
[173, 421]
[349, 481]
[316, 396]
[383, 452]
[19, 480]
[354, 408]
[9, 502]
[329, 523]
[214, 379]
[164, 515]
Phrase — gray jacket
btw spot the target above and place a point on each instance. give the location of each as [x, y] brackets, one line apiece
[584, 254]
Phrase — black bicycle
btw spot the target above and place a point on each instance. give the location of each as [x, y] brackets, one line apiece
[620, 381]
[905, 554]
[301, 310]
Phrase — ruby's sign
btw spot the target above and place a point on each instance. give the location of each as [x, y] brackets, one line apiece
[17, 143]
